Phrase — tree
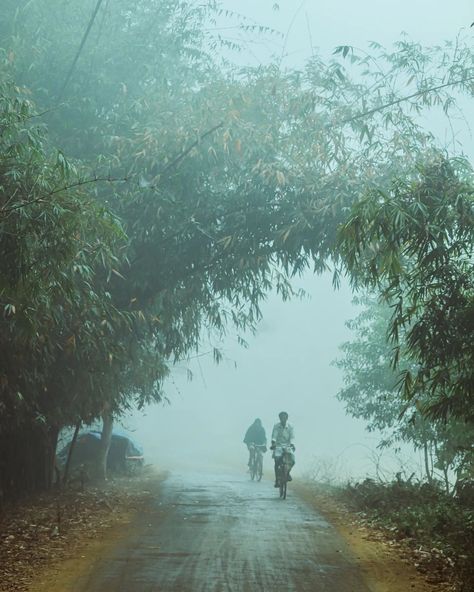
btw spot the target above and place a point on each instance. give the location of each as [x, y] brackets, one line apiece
[225, 181]
[415, 244]
[372, 393]
[58, 324]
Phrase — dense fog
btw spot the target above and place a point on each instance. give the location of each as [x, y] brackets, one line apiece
[288, 363]
[225, 214]
[287, 366]
[206, 154]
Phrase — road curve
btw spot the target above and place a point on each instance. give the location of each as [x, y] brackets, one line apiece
[224, 533]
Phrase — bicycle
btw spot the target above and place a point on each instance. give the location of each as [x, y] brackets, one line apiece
[285, 462]
[256, 461]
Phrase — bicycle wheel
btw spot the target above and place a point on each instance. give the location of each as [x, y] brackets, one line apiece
[282, 487]
[253, 470]
[259, 471]
[282, 481]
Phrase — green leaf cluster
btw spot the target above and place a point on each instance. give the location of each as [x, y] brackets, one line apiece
[372, 392]
[415, 244]
[191, 187]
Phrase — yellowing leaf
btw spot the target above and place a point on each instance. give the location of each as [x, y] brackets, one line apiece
[118, 274]
[280, 178]
[227, 241]
[71, 342]
[212, 152]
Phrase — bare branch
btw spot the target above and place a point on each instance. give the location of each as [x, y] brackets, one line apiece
[404, 99]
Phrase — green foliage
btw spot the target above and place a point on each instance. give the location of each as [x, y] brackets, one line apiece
[415, 243]
[372, 393]
[218, 183]
[423, 514]
[370, 390]
[54, 243]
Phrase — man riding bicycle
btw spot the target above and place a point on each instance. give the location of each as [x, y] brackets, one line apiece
[282, 437]
[255, 436]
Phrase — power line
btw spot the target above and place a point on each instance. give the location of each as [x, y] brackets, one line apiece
[79, 51]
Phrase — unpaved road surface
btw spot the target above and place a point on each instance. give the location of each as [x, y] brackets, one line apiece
[219, 533]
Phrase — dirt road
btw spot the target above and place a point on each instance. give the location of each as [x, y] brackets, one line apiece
[219, 533]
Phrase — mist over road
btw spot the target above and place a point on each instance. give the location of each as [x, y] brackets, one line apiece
[221, 532]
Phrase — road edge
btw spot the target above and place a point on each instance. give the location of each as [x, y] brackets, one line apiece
[383, 566]
[59, 575]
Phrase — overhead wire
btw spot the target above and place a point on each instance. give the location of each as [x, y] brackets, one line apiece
[81, 47]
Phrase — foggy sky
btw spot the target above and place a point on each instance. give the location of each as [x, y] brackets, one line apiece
[323, 24]
[287, 365]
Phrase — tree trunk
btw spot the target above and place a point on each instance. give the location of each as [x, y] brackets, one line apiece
[447, 485]
[71, 451]
[104, 447]
[429, 474]
[444, 469]
[27, 458]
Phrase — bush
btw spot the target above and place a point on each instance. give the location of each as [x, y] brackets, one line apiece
[426, 515]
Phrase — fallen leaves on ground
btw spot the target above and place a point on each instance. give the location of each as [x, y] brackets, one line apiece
[436, 567]
[37, 532]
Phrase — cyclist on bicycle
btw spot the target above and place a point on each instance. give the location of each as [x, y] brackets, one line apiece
[282, 436]
[255, 436]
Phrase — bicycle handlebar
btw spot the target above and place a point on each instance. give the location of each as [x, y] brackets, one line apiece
[284, 447]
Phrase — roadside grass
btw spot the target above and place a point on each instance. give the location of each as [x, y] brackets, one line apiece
[436, 524]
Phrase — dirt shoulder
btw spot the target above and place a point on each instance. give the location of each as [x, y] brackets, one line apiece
[54, 536]
[387, 565]
[50, 541]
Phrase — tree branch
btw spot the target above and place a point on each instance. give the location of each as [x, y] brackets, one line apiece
[403, 99]
[79, 51]
[6, 211]
[182, 155]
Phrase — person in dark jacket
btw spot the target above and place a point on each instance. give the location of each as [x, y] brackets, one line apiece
[255, 436]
